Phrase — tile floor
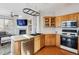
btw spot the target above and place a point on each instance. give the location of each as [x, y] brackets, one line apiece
[5, 49]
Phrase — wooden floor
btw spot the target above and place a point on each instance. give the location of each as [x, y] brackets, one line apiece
[53, 51]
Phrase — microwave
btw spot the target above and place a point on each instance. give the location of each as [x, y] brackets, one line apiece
[69, 24]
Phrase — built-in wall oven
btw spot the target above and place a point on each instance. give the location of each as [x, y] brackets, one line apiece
[69, 40]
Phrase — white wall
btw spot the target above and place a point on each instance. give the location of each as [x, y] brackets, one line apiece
[68, 9]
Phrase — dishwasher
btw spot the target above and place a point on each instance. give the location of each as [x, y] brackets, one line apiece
[27, 47]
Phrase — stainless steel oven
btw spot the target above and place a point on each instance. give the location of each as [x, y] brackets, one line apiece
[69, 40]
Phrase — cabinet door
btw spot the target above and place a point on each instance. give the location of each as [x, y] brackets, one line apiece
[65, 18]
[53, 22]
[57, 40]
[36, 44]
[78, 20]
[50, 40]
[58, 21]
[49, 21]
[46, 22]
[53, 39]
[17, 48]
[42, 41]
[47, 40]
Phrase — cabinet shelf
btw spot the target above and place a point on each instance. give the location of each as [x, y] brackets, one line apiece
[49, 21]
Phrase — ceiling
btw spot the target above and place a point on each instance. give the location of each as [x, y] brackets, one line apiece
[43, 8]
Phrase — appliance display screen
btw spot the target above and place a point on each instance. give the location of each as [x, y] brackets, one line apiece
[21, 22]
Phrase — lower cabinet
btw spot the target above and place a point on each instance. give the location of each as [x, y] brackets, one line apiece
[39, 42]
[36, 43]
[27, 47]
[50, 39]
[58, 40]
[16, 46]
[42, 41]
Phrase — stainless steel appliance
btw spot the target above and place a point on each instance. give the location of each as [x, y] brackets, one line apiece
[69, 24]
[69, 40]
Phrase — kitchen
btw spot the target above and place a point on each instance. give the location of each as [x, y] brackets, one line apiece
[68, 26]
[44, 31]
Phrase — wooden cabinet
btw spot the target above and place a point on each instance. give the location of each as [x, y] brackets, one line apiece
[58, 40]
[69, 17]
[64, 18]
[78, 20]
[50, 39]
[42, 41]
[58, 21]
[16, 48]
[49, 21]
[36, 43]
[39, 42]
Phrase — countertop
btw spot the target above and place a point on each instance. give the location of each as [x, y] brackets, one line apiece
[21, 37]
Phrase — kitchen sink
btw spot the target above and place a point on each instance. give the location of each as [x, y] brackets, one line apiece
[35, 34]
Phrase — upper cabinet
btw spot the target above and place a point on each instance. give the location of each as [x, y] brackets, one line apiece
[69, 17]
[58, 20]
[73, 17]
[49, 21]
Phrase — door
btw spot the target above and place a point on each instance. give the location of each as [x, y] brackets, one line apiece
[63, 41]
[50, 39]
[47, 40]
[36, 43]
[72, 42]
[58, 40]
[42, 41]
[27, 47]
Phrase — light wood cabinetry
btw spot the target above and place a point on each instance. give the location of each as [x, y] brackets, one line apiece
[78, 20]
[42, 41]
[58, 40]
[49, 21]
[36, 43]
[50, 39]
[39, 42]
[64, 18]
[70, 17]
[73, 16]
[58, 21]
[17, 48]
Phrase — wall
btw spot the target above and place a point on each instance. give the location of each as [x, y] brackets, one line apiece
[68, 10]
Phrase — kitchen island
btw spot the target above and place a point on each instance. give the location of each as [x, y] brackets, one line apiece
[27, 44]
[16, 43]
